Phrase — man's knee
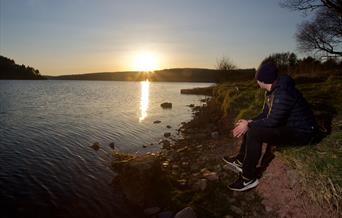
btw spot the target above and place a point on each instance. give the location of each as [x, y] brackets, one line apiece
[253, 133]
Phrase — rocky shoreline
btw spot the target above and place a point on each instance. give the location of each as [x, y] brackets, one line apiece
[188, 173]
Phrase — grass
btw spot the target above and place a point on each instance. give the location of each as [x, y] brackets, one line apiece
[319, 165]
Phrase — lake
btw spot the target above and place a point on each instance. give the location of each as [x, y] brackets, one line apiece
[47, 168]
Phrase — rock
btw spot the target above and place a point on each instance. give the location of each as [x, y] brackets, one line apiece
[191, 105]
[187, 212]
[112, 145]
[165, 143]
[148, 187]
[157, 121]
[166, 105]
[96, 146]
[182, 149]
[166, 163]
[144, 146]
[200, 185]
[167, 134]
[182, 182]
[236, 210]
[199, 146]
[175, 166]
[215, 135]
[185, 163]
[165, 214]
[151, 211]
[168, 126]
[268, 209]
[211, 176]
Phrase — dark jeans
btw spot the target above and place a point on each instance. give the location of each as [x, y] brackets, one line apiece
[251, 147]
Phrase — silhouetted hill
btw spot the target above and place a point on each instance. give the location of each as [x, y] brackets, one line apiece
[10, 70]
[167, 75]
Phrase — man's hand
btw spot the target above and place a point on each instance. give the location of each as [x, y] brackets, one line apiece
[241, 127]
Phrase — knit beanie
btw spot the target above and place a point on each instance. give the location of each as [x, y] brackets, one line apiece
[267, 73]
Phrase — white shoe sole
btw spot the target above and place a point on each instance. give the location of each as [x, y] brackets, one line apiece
[233, 167]
[250, 186]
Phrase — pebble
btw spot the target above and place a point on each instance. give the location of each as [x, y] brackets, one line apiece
[96, 146]
[182, 149]
[151, 211]
[112, 145]
[165, 214]
[167, 134]
[182, 181]
[168, 126]
[236, 210]
[211, 176]
[157, 121]
[215, 135]
[200, 185]
[187, 212]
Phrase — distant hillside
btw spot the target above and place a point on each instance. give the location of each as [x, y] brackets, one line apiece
[10, 70]
[167, 75]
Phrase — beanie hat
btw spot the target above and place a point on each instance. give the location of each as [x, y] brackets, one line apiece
[267, 73]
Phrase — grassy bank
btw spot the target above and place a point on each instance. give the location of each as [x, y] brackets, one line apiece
[319, 164]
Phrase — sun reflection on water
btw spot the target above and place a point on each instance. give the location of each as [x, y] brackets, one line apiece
[145, 89]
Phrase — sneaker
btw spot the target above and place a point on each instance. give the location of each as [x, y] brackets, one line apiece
[233, 164]
[242, 184]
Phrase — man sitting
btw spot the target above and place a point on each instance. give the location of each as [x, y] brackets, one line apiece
[286, 119]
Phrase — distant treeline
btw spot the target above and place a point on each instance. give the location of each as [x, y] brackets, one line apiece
[308, 66]
[10, 70]
[167, 75]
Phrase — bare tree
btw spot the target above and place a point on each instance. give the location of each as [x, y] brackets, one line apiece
[311, 5]
[323, 33]
[225, 64]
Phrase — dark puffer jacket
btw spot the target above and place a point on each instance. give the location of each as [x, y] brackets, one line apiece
[285, 106]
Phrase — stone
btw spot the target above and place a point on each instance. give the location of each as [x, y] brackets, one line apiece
[168, 126]
[175, 166]
[151, 211]
[165, 143]
[187, 212]
[166, 163]
[185, 163]
[191, 105]
[166, 105]
[157, 121]
[215, 135]
[182, 182]
[112, 145]
[165, 214]
[182, 149]
[96, 146]
[150, 184]
[200, 185]
[167, 134]
[236, 210]
[211, 176]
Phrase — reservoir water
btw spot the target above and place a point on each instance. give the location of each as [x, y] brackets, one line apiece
[47, 168]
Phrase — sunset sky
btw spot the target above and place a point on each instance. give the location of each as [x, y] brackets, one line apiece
[80, 36]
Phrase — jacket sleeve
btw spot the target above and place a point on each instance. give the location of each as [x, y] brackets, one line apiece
[278, 113]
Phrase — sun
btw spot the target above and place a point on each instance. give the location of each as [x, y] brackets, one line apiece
[145, 61]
